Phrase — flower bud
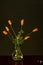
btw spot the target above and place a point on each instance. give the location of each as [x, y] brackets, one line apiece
[7, 29]
[5, 33]
[9, 22]
[27, 37]
[22, 22]
[35, 30]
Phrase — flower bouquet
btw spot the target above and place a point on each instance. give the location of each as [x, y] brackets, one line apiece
[17, 39]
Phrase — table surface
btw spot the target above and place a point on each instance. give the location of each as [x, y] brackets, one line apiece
[27, 60]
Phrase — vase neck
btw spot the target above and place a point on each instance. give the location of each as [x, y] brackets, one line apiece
[17, 46]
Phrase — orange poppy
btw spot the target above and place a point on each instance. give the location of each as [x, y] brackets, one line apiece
[27, 37]
[9, 22]
[5, 33]
[7, 28]
[35, 30]
[22, 22]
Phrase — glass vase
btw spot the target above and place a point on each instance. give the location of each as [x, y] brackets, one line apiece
[17, 53]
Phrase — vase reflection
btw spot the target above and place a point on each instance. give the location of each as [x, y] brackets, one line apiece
[17, 62]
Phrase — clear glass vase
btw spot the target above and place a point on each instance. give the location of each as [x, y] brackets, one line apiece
[17, 53]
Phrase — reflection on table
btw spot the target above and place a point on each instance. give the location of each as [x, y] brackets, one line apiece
[17, 62]
[27, 60]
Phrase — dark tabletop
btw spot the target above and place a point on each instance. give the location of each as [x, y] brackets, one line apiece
[27, 60]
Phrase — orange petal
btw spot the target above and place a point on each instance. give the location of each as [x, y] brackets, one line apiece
[35, 30]
[27, 37]
[7, 28]
[22, 22]
[9, 22]
[5, 33]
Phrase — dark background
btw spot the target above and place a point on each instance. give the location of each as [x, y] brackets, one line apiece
[32, 12]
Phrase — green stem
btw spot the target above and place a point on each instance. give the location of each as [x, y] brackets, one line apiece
[9, 37]
[21, 27]
[13, 31]
[29, 33]
[10, 34]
